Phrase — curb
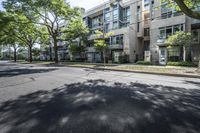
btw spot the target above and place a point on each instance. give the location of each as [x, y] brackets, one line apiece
[163, 74]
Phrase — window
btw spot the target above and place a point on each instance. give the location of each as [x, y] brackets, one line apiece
[146, 4]
[107, 27]
[97, 21]
[174, 54]
[152, 10]
[126, 14]
[115, 25]
[168, 12]
[167, 31]
[138, 27]
[162, 33]
[115, 13]
[146, 45]
[117, 40]
[146, 32]
[138, 13]
[195, 35]
[125, 17]
[107, 15]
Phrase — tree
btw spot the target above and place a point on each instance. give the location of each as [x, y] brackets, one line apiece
[18, 30]
[182, 40]
[36, 53]
[75, 48]
[53, 14]
[6, 36]
[75, 29]
[188, 7]
[10, 41]
[100, 43]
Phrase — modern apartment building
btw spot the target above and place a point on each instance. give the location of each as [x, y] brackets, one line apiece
[140, 29]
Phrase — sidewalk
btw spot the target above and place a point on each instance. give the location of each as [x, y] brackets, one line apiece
[159, 70]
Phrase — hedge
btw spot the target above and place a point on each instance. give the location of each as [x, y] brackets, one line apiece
[143, 63]
[182, 63]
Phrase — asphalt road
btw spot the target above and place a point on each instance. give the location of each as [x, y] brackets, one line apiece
[39, 99]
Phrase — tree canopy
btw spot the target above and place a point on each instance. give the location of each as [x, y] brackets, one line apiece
[54, 15]
[180, 39]
[187, 6]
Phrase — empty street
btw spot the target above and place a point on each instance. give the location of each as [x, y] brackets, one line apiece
[74, 100]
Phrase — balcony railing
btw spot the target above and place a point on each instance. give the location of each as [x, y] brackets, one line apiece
[115, 46]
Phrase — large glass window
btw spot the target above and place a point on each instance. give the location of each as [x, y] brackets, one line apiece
[146, 32]
[146, 45]
[107, 15]
[174, 54]
[167, 12]
[115, 25]
[162, 33]
[126, 14]
[115, 13]
[117, 40]
[195, 35]
[146, 4]
[138, 26]
[138, 13]
[97, 21]
[125, 17]
[107, 27]
[167, 31]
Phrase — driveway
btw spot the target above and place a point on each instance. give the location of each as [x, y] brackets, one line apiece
[38, 99]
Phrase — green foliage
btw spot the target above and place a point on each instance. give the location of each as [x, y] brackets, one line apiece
[143, 63]
[186, 6]
[123, 58]
[75, 29]
[55, 15]
[74, 48]
[100, 43]
[180, 39]
[36, 52]
[182, 63]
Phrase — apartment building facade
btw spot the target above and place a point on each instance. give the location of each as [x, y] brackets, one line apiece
[140, 29]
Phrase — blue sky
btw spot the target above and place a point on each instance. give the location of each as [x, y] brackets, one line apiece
[87, 4]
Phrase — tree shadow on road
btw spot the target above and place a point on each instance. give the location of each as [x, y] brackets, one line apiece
[96, 107]
[20, 71]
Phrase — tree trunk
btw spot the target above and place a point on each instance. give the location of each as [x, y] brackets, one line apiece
[104, 57]
[55, 49]
[15, 55]
[184, 54]
[181, 53]
[30, 54]
[198, 69]
[50, 53]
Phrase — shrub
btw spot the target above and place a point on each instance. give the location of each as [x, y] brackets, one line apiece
[182, 63]
[143, 63]
[123, 58]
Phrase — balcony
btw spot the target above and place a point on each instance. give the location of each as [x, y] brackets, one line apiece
[162, 41]
[115, 46]
[93, 37]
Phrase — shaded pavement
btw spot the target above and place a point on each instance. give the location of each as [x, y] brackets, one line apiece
[93, 107]
[99, 106]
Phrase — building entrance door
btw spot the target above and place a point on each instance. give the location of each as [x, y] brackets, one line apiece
[163, 56]
[116, 55]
